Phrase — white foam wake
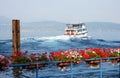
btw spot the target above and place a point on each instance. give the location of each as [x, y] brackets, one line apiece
[61, 37]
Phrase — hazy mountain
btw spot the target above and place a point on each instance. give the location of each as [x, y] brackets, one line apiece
[104, 30]
[43, 24]
[102, 25]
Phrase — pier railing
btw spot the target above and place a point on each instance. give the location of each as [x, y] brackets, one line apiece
[51, 70]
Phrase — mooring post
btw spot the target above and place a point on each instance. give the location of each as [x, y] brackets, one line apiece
[15, 36]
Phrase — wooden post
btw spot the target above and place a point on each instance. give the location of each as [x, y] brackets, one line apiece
[16, 36]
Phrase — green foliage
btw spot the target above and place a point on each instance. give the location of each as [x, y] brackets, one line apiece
[21, 60]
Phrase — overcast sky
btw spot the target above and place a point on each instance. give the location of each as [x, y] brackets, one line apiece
[62, 10]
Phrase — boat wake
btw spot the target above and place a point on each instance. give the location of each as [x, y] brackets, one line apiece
[61, 37]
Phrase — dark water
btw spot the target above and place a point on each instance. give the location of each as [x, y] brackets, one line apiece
[56, 43]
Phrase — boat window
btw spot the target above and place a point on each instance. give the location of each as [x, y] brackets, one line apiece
[79, 30]
[72, 30]
[84, 29]
[67, 30]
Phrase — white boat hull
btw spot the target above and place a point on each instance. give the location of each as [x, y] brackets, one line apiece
[78, 37]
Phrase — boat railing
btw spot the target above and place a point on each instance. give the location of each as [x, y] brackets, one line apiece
[71, 27]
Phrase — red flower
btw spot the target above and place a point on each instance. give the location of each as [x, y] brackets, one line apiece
[104, 55]
[82, 52]
[16, 54]
[85, 56]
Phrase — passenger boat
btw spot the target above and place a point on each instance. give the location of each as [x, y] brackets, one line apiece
[76, 31]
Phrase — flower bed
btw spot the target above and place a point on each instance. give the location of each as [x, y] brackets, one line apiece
[20, 58]
[4, 62]
[68, 56]
[93, 53]
[114, 53]
[37, 58]
[65, 57]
